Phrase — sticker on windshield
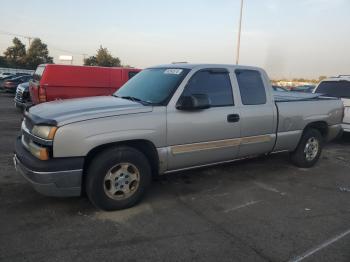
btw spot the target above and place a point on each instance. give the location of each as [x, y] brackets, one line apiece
[173, 71]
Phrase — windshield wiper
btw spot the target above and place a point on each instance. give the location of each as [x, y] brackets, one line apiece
[135, 99]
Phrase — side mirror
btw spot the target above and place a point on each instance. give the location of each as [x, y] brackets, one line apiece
[193, 102]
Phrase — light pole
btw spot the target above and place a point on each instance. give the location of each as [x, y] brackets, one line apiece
[239, 33]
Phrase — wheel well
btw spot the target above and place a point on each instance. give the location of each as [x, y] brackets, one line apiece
[144, 146]
[321, 126]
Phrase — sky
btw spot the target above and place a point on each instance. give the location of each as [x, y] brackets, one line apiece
[288, 38]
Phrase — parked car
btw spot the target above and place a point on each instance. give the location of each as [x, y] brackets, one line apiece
[22, 98]
[338, 87]
[166, 119]
[23, 74]
[4, 79]
[5, 74]
[11, 84]
[303, 88]
[53, 82]
[279, 89]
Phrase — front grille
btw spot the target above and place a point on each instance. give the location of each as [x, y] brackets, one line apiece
[19, 99]
[25, 95]
[19, 95]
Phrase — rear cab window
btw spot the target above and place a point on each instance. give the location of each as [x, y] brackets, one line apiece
[215, 83]
[339, 89]
[251, 87]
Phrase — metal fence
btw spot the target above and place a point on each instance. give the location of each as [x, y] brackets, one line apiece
[15, 70]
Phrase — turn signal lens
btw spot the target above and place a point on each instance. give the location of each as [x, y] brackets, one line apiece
[52, 132]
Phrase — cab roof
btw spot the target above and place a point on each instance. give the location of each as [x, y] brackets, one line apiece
[194, 66]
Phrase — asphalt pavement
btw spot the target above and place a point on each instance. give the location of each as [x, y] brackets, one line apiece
[262, 209]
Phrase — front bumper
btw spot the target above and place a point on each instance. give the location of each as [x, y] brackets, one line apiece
[54, 177]
[346, 127]
[21, 104]
[21, 100]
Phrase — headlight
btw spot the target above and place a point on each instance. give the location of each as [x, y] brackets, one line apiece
[45, 132]
[39, 152]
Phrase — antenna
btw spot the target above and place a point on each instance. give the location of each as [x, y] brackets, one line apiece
[239, 34]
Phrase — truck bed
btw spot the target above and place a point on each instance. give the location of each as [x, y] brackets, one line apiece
[296, 96]
[297, 110]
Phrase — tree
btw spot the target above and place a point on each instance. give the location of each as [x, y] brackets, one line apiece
[15, 55]
[102, 58]
[322, 78]
[90, 61]
[37, 54]
[3, 62]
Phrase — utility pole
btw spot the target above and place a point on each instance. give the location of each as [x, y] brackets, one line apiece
[29, 38]
[239, 34]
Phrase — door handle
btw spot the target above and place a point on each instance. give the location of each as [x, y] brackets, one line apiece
[233, 118]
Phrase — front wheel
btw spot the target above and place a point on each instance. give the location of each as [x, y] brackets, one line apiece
[309, 149]
[118, 178]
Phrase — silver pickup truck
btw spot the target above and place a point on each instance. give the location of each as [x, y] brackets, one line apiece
[165, 119]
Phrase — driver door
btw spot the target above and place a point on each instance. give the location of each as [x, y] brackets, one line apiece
[201, 137]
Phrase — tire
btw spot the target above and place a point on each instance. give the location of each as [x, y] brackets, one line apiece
[119, 169]
[309, 149]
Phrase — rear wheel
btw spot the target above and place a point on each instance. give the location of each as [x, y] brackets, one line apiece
[309, 149]
[118, 178]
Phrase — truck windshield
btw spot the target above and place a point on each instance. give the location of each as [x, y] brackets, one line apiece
[38, 73]
[153, 86]
[340, 89]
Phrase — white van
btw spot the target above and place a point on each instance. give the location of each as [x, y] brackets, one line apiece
[338, 87]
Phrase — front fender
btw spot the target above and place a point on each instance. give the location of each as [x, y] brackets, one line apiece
[77, 139]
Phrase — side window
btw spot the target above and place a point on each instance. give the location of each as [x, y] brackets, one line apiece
[251, 87]
[215, 84]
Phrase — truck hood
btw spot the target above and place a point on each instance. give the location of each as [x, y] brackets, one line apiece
[62, 112]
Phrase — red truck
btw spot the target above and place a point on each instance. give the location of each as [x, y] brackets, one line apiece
[51, 82]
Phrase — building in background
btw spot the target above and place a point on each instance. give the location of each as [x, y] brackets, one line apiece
[65, 59]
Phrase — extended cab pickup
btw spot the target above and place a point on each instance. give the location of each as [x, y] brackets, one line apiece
[165, 119]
